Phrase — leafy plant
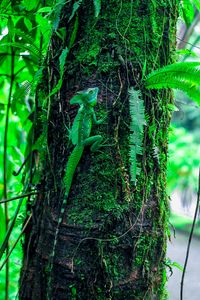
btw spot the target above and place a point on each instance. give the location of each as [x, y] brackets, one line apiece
[22, 29]
[184, 76]
[188, 10]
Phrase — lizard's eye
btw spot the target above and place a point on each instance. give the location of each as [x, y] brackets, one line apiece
[90, 92]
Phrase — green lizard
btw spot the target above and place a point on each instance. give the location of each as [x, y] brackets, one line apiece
[80, 138]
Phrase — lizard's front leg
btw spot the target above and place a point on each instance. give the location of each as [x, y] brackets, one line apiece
[100, 121]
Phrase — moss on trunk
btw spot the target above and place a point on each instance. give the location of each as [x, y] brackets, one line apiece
[112, 241]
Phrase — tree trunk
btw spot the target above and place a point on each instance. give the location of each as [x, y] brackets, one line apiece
[112, 241]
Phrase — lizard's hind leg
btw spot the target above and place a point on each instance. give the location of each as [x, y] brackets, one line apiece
[94, 141]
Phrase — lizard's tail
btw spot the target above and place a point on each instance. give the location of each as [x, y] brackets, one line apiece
[72, 163]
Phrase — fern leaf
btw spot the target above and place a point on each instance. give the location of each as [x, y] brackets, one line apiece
[27, 39]
[21, 91]
[184, 76]
[197, 4]
[97, 7]
[187, 11]
[23, 47]
[185, 70]
[137, 114]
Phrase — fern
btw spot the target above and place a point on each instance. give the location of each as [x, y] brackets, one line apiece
[137, 113]
[27, 39]
[21, 91]
[23, 47]
[184, 76]
[197, 4]
[187, 11]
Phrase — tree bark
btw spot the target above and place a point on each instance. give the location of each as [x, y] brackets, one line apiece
[112, 241]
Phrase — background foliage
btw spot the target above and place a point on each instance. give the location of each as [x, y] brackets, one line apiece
[24, 35]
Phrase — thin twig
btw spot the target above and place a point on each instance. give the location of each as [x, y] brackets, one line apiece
[190, 239]
[18, 197]
[16, 173]
[15, 243]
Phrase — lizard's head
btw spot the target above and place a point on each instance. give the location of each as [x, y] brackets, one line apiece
[91, 97]
[88, 97]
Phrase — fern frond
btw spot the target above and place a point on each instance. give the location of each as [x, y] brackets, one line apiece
[137, 123]
[28, 39]
[197, 4]
[183, 70]
[22, 47]
[184, 76]
[187, 11]
[22, 90]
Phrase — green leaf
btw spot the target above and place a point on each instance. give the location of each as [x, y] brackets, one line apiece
[172, 107]
[28, 24]
[4, 6]
[75, 8]
[144, 68]
[97, 7]
[45, 28]
[61, 33]
[177, 265]
[74, 33]
[187, 11]
[55, 14]
[45, 9]
[30, 4]
[62, 60]
[186, 52]
[197, 4]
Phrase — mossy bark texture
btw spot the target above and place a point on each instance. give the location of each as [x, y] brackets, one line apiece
[112, 241]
